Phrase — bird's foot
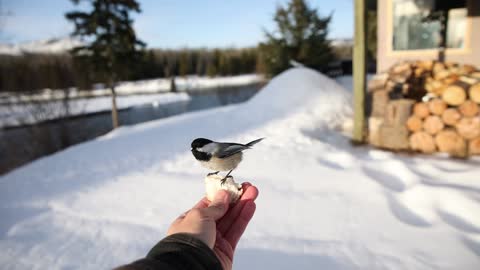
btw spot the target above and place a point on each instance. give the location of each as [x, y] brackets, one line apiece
[225, 179]
[213, 173]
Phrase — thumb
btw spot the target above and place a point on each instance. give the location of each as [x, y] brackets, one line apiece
[219, 206]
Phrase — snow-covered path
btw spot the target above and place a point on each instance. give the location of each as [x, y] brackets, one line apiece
[323, 204]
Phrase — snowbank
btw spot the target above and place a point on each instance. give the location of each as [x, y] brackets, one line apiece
[323, 204]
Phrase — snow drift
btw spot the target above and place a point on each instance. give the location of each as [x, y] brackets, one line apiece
[322, 203]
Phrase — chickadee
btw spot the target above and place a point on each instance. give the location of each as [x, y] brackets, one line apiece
[218, 156]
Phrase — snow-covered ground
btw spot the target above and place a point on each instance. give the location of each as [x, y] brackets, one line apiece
[323, 203]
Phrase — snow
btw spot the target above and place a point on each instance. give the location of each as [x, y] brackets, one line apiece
[55, 45]
[323, 203]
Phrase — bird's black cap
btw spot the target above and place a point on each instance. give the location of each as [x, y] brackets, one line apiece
[200, 142]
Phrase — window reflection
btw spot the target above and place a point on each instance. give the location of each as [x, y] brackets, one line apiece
[417, 24]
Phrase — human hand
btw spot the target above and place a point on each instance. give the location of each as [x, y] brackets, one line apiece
[216, 225]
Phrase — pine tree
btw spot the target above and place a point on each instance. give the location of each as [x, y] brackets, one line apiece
[301, 36]
[113, 47]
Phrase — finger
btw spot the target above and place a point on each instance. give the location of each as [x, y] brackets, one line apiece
[238, 227]
[250, 194]
[219, 206]
[245, 185]
[202, 203]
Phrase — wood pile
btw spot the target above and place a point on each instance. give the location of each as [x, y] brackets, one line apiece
[426, 106]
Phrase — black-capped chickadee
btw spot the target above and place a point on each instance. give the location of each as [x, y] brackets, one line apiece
[219, 156]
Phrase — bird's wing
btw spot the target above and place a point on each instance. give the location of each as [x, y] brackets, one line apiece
[228, 149]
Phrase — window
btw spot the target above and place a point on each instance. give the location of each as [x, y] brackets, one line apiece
[417, 24]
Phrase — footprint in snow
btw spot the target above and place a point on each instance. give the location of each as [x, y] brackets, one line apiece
[459, 222]
[404, 214]
[385, 179]
[336, 161]
[472, 243]
[391, 174]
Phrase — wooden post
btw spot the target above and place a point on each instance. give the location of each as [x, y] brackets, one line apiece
[359, 66]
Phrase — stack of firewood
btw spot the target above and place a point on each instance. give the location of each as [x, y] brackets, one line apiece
[440, 109]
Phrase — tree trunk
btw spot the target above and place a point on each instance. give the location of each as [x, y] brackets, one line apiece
[114, 106]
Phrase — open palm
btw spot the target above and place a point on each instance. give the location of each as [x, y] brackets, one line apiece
[219, 226]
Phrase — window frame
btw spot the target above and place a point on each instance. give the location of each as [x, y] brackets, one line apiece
[424, 52]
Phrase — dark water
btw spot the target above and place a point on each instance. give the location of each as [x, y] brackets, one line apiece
[21, 145]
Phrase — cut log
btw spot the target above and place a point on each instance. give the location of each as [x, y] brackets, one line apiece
[451, 116]
[468, 80]
[474, 146]
[419, 72]
[427, 65]
[454, 95]
[449, 141]
[435, 87]
[379, 103]
[450, 79]
[468, 108]
[467, 69]
[421, 110]
[374, 124]
[423, 142]
[474, 92]
[394, 137]
[401, 68]
[442, 74]
[414, 123]
[469, 127]
[437, 106]
[378, 82]
[437, 67]
[433, 124]
[398, 111]
[475, 74]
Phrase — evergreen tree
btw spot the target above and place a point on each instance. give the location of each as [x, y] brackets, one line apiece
[301, 36]
[113, 47]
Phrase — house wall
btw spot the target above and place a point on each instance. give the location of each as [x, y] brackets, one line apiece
[386, 57]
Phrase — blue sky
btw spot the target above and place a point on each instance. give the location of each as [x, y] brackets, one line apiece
[173, 23]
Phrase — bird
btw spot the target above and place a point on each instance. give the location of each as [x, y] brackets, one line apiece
[219, 156]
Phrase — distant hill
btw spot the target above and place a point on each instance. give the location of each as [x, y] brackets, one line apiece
[48, 46]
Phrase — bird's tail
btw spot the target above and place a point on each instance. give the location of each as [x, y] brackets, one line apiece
[250, 144]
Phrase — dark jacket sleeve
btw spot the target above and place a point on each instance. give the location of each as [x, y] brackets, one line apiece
[177, 251]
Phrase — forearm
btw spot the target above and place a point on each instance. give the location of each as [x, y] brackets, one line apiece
[177, 251]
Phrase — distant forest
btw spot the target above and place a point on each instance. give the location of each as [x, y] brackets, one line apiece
[30, 72]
